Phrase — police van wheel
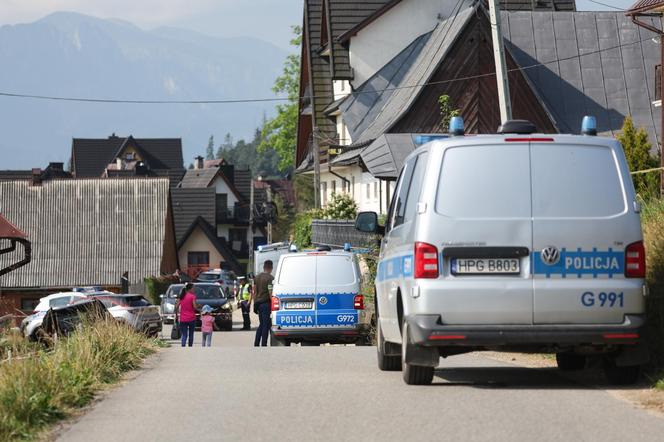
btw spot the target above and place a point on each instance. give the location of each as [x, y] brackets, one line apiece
[621, 375]
[569, 361]
[385, 362]
[278, 342]
[413, 374]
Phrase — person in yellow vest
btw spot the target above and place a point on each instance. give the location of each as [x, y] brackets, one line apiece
[245, 299]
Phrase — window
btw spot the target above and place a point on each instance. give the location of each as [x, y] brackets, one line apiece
[223, 212]
[29, 304]
[376, 189]
[198, 258]
[368, 190]
[415, 187]
[575, 181]
[334, 187]
[323, 191]
[486, 182]
[60, 302]
[237, 238]
[352, 186]
[335, 270]
[298, 271]
[401, 195]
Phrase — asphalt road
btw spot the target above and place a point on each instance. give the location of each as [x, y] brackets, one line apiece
[233, 391]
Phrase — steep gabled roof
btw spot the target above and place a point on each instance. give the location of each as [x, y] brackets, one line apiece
[592, 63]
[91, 156]
[9, 230]
[645, 6]
[219, 245]
[200, 178]
[88, 232]
[189, 204]
[576, 63]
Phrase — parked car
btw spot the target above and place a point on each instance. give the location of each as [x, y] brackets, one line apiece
[31, 326]
[225, 278]
[133, 310]
[515, 241]
[167, 306]
[63, 320]
[211, 294]
[316, 299]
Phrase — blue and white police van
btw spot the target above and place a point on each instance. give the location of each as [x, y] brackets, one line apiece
[515, 241]
[316, 299]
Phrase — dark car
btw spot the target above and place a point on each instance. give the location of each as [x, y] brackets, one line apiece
[211, 294]
[64, 320]
[227, 279]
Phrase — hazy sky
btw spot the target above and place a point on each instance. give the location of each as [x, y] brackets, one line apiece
[266, 19]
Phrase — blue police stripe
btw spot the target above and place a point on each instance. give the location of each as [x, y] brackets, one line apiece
[395, 268]
[581, 263]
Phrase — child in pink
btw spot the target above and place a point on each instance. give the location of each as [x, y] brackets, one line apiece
[207, 325]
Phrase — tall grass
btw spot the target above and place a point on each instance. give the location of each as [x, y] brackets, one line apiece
[39, 387]
[653, 230]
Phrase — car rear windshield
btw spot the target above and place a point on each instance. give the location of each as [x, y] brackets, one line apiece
[576, 181]
[208, 292]
[208, 276]
[124, 301]
[174, 290]
[298, 271]
[485, 182]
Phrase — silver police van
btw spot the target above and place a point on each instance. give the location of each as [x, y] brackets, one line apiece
[516, 241]
[316, 299]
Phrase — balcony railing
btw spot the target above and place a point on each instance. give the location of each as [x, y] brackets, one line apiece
[232, 214]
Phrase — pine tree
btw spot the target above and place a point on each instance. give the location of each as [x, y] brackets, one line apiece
[209, 153]
[639, 157]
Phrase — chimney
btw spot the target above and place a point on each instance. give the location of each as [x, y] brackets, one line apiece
[198, 164]
[56, 167]
[118, 163]
[36, 176]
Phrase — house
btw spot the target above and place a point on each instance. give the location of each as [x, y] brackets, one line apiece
[574, 64]
[345, 43]
[86, 232]
[127, 157]
[212, 208]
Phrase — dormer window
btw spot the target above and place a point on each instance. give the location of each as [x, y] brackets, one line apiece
[130, 156]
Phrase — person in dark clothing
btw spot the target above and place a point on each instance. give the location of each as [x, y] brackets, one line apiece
[245, 299]
[261, 299]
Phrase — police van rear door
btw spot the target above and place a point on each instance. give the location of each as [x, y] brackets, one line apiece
[337, 285]
[583, 221]
[295, 287]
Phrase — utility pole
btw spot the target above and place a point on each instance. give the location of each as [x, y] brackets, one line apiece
[269, 223]
[499, 57]
[251, 225]
[316, 167]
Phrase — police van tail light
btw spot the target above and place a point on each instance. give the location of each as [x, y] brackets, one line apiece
[426, 260]
[275, 304]
[358, 302]
[635, 260]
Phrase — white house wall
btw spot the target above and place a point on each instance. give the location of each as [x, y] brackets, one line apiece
[221, 187]
[388, 35]
[368, 192]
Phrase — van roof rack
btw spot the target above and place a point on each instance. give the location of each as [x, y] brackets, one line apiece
[520, 127]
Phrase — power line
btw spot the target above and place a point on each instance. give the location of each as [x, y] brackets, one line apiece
[607, 5]
[282, 99]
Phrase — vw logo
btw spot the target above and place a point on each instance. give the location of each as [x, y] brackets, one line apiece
[322, 300]
[550, 255]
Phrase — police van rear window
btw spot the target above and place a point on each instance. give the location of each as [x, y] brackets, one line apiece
[576, 181]
[485, 182]
[297, 271]
[335, 270]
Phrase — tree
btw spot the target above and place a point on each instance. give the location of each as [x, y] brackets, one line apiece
[209, 152]
[341, 206]
[638, 152]
[279, 133]
[447, 111]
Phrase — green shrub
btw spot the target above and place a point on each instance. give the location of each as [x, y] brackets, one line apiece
[653, 231]
[639, 157]
[157, 285]
[43, 387]
[302, 226]
[341, 206]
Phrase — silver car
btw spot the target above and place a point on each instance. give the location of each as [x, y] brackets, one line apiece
[133, 310]
[515, 241]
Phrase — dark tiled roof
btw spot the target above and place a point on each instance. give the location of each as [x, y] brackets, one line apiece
[12, 175]
[91, 156]
[243, 183]
[221, 246]
[614, 79]
[198, 178]
[344, 15]
[189, 204]
[88, 232]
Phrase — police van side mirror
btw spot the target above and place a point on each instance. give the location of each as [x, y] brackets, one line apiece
[367, 222]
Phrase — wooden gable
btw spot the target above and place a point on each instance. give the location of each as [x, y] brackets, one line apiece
[471, 57]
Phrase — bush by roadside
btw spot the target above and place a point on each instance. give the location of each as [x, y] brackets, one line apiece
[653, 230]
[39, 387]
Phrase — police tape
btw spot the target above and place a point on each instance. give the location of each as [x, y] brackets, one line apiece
[654, 169]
